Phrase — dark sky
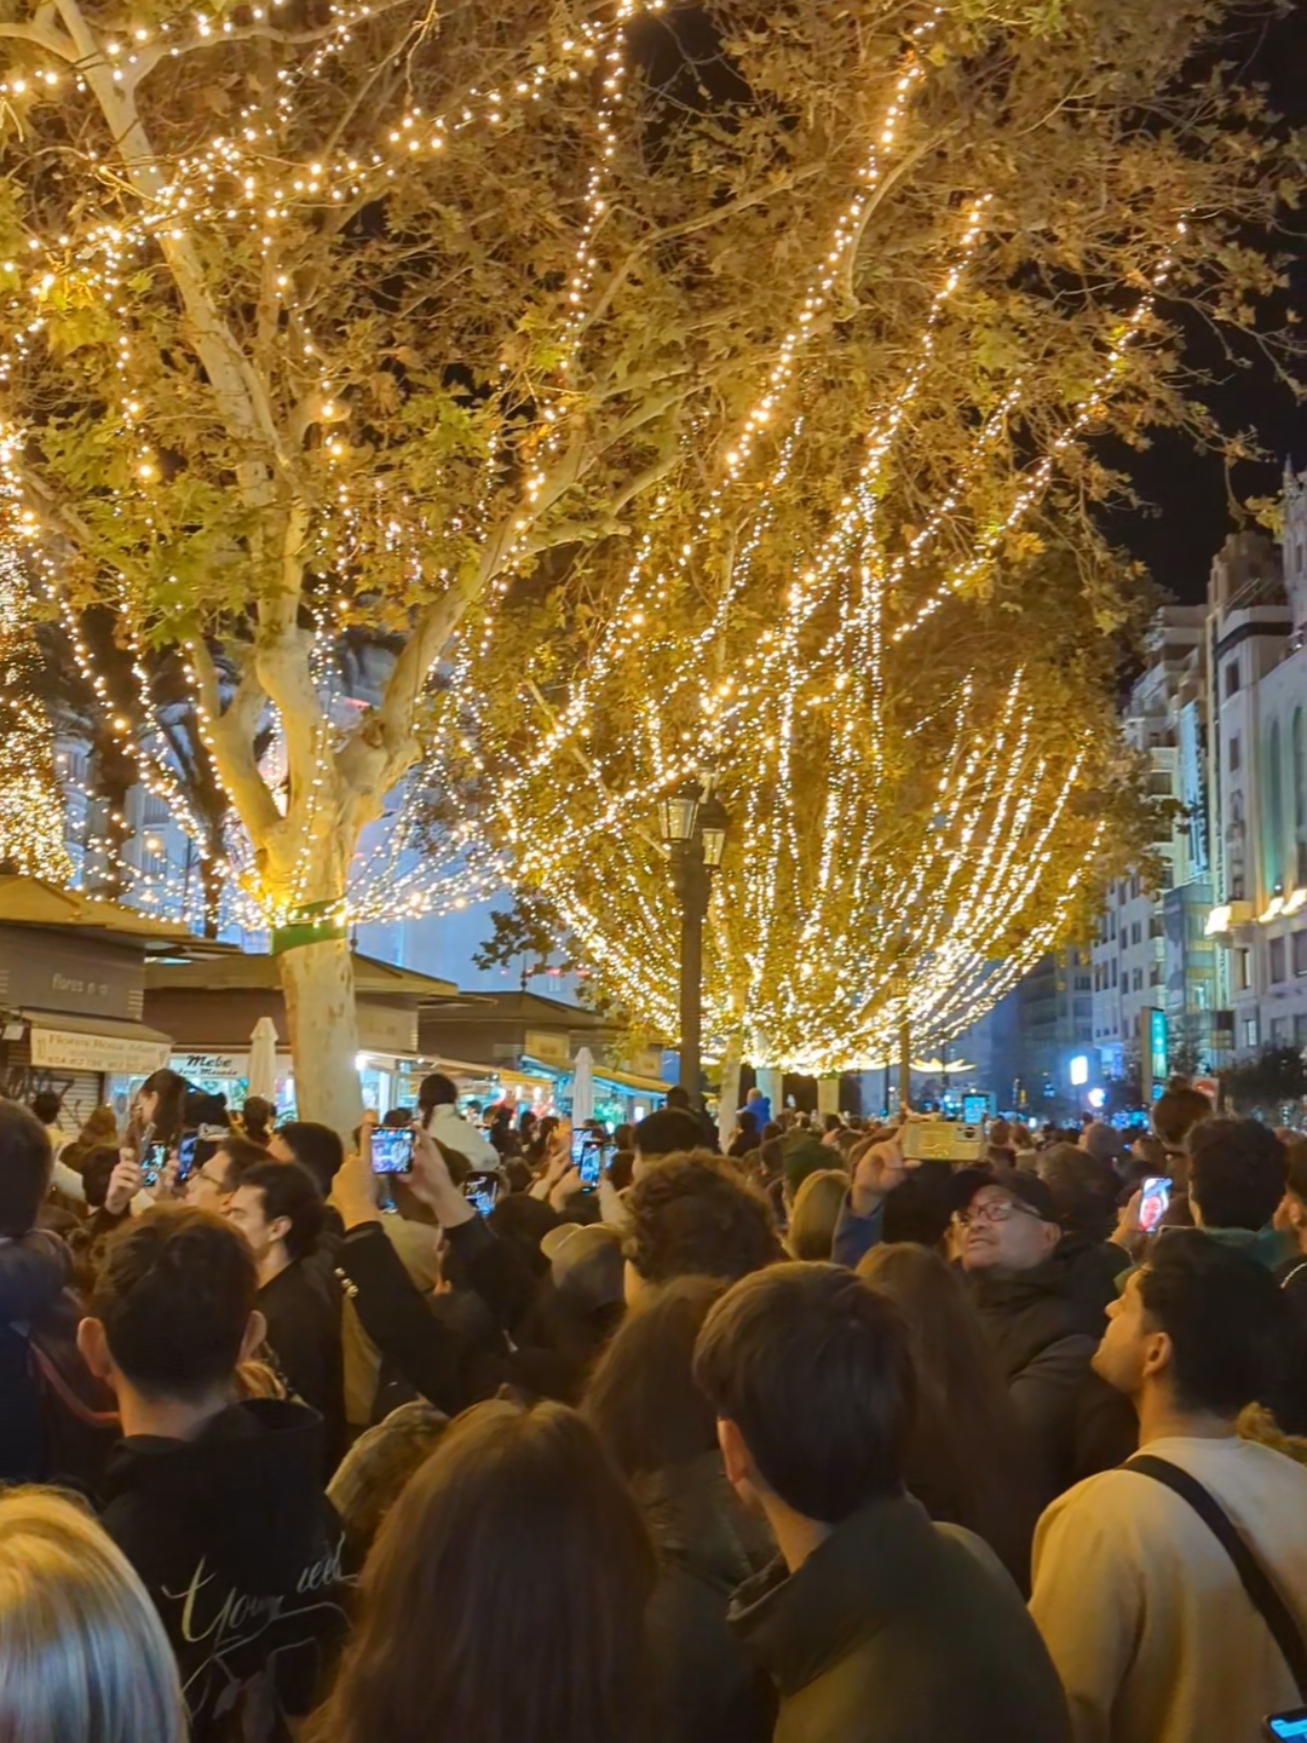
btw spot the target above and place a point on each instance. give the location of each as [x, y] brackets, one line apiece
[1187, 490]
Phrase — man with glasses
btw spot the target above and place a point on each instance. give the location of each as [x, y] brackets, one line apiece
[218, 1170]
[1042, 1297]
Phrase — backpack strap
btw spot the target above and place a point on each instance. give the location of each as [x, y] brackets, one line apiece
[1261, 1591]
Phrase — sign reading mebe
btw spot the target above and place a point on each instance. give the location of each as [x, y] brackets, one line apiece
[53, 973]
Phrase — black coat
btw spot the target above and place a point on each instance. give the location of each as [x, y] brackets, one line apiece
[1043, 1326]
[302, 1306]
[707, 1688]
[899, 1631]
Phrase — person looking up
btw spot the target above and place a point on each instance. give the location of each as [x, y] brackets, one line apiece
[219, 1167]
[504, 1597]
[438, 1114]
[966, 1459]
[279, 1210]
[694, 1216]
[1142, 1608]
[661, 1431]
[876, 1625]
[85, 1656]
[217, 1504]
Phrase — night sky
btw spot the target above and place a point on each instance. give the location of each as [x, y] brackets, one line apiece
[1192, 514]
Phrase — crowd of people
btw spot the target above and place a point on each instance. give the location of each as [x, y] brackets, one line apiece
[542, 1436]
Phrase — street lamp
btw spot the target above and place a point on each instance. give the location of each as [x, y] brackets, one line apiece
[693, 823]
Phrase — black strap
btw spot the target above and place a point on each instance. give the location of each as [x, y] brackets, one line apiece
[1265, 1599]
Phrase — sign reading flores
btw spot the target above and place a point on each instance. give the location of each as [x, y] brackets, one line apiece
[117, 1054]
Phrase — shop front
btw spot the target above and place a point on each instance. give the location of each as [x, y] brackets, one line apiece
[72, 989]
[211, 1012]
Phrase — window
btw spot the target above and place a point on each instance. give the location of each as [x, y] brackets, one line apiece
[1300, 1029]
[1138, 983]
[1300, 772]
[1232, 678]
[1113, 971]
[1236, 754]
[1083, 983]
[1300, 952]
[1243, 970]
[1276, 954]
[1250, 1031]
[1136, 933]
[1280, 1027]
[1275, 809]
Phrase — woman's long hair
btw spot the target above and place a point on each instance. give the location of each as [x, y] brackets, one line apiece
[815, 1212]
[967, 1462]
[85, 1657]
[642, 1397]
[504, 1598]
[171, 1088]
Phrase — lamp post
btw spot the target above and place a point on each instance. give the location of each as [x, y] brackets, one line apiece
[693, 825]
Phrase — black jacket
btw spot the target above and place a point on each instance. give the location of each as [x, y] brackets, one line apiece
[57, 1422]
[708, 1688]
[302, 1306]
[240, 1552]
[1043, 1326]
[899, 1631]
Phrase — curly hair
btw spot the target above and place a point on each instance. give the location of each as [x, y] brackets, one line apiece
[694, 1216]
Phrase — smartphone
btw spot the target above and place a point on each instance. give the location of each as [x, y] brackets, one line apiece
[1288, 1725]
[1152, 1204]
[392, 1149]
[591, 1166]
[186, 1156]
[579, 1142]
[482, 1190]
[153, 1163]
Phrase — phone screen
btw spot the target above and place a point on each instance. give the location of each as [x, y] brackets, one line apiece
[1153, 1202]
[482, 1190]
[590, 1166]
[579, 1142]
[186, 1156]
[1292, 1726]
[153, 1163]
[392, 1149]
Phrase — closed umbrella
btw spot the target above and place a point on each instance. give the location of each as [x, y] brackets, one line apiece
[263, 1060]
[583, 1087]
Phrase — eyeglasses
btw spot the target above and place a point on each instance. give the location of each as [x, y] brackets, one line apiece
[998, 1210]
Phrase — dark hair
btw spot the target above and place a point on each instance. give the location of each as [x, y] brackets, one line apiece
[669, 1132]
[677, 1097]
[621, 1170]
[174, 1293]
[1237, 1173]
[1176, 1112]
[289, 1191]
[46, 1105]
[241, 1155]
[25, 1163]
[436, 1091]
[257, 1116]
[318, 1150]
[642, 1397]
[965, 1459]
[505, 1593]
[747, 1123]
[921, 1209]
[999, 1135]
[1223, 1315]
[98, 1164]
[171, 1088]
[397, 1119]
[1084, 1189]
[816, 1212]
[813, 1369]
[694, 1215]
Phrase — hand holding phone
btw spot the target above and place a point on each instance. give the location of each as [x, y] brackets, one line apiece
[482, 1191]
[153, 1162]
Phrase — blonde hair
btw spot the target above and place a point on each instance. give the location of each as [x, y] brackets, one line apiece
[83, 1655]
[815, 1212]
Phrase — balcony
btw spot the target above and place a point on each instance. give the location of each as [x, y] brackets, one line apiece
[1227, 920]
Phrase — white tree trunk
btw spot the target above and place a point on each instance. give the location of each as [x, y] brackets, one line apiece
[730, 1096]
[318, 983]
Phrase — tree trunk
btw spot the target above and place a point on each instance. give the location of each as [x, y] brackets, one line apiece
[729, 1103]
[318, 983]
